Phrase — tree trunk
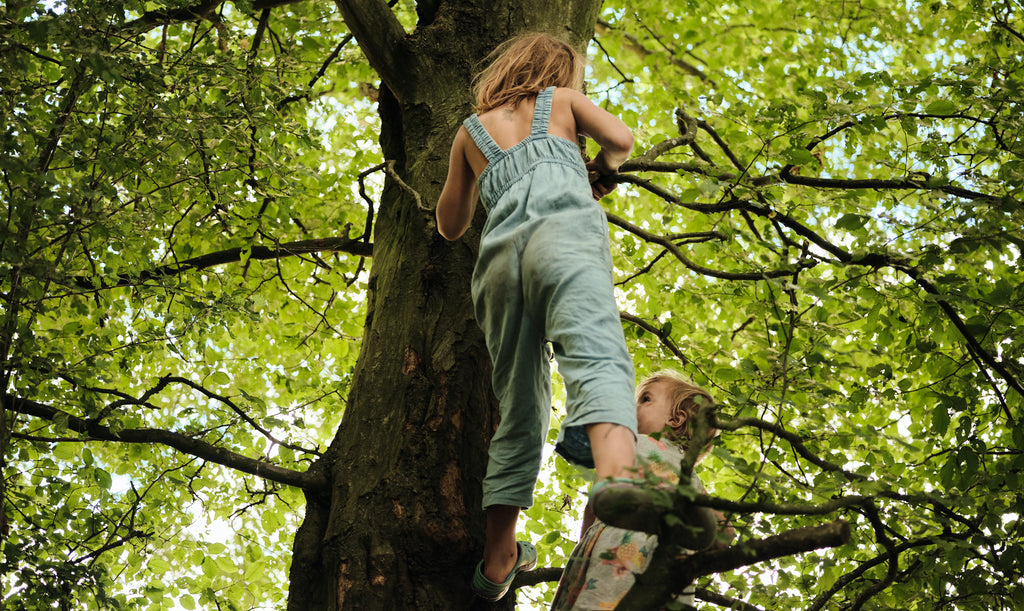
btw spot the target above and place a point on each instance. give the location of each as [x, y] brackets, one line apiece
[401, 525]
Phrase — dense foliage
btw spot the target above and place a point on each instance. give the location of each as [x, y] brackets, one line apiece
[822, 224]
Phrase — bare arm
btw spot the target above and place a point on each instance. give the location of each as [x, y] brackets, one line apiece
[610, 133]
[458, 198]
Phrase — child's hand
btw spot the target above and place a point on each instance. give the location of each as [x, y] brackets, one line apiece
[599, 185]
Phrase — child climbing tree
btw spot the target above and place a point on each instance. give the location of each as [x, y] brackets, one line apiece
[226, 307]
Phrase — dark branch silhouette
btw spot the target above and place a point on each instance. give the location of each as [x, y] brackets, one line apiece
[355, 246]
[183, 443]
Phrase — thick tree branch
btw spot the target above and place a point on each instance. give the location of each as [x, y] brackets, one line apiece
[880, 183]
[920, 181]
[183, 443]
[539, 575]
[784, 509]
[354, 246]
[790, 543]
[157, 18]
[656, 586]
[384, 42]
[685, 569]
[724, 601]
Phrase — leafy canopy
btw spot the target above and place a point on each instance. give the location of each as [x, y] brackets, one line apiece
[827, 235]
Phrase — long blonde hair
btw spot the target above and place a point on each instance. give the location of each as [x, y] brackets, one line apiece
[523, 66]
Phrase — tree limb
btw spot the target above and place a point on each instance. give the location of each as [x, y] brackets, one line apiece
[700, 269]
[354, 246]
[166, 380]
[157, 18]
[200, 10]
[662, 580]
[794, 440]
[539, 575]
[865, 565]
[880, 183]
[685, 569]
[976, 349]
[786, 509]
[724, 601]
[790, 543]
[665, 338]
[383, 40]
[183, 443]
[871, 511]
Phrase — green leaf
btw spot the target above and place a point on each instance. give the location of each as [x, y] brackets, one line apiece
[940, 419]
[798, 156]
[941, 107]
[851, 222]
[218, 378]
[66, 451]
[102, 478]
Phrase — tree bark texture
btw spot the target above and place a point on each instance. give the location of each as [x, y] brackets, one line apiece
[400, 524]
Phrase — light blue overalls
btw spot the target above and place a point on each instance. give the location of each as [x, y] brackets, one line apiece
[544, 273]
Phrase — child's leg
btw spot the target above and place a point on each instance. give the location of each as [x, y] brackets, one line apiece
[613, 447]
[568, 265]
[521, 380]
[522, 383]
[500, 545]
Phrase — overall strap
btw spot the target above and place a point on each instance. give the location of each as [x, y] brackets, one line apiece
[483, 140]
[542, 111]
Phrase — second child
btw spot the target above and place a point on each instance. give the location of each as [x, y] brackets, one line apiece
[603, 565]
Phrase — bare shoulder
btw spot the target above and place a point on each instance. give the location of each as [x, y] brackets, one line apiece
[567, 95]
[595, 122]
[565, 104]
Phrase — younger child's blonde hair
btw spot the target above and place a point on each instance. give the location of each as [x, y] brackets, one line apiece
[687, 399]
[525, 65]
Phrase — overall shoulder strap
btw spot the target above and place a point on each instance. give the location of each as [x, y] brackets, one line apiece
[542, 111]
[483, 140]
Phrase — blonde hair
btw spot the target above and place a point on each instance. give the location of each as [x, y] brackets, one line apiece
[688, 399]
[523, 66]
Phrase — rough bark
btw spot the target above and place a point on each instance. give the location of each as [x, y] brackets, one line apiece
[401, 525]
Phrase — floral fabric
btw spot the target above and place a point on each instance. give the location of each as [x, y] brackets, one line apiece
[602, 566]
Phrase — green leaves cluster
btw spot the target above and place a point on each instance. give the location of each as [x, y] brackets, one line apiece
[138, 142]
[832, 246]
[855, 159]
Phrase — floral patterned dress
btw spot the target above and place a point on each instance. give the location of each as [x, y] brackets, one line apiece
[601, 567]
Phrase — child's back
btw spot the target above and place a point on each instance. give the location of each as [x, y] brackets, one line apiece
[503, 129]
[538, 157]
[511, 124]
